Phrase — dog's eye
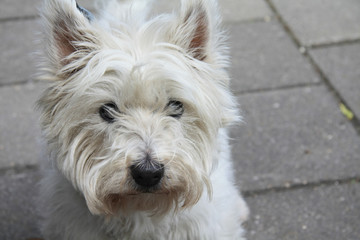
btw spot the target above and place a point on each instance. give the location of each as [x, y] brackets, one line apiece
[107, 110]
[175, 108]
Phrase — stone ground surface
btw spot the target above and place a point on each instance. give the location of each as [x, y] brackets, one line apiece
[297, 155]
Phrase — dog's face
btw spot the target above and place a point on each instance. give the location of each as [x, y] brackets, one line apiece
[134, 108]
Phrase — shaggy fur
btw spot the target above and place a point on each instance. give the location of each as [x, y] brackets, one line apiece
[127, 92]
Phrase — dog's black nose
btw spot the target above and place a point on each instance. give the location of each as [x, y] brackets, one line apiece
[147, 174]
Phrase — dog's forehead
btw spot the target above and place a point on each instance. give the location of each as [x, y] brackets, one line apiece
[143, 92]
[149, 85]
[147, 70]
[141, 74]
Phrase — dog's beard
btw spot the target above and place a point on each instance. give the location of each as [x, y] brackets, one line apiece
[116, 193]
[157, 203]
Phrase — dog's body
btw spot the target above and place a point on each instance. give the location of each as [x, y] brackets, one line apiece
[135, 121]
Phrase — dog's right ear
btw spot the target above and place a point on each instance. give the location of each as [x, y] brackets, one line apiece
[69, 32]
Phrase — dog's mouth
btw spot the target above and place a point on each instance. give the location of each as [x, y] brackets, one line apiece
[134, 201]
[139, 192]
[146, 192]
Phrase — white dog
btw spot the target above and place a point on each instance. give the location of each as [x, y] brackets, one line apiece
[135, 120]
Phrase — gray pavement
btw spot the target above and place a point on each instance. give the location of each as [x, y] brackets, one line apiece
[297, 157]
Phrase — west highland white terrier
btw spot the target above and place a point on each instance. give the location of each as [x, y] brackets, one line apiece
[135, 121]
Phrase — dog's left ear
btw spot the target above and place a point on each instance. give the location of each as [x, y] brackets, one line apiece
[195, 27]
[69, 33]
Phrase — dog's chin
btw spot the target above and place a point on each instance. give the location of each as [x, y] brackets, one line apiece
[157, 202]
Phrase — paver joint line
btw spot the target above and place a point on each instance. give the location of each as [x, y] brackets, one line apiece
[11, 84]
[292, 187]
[18, 169]
[283, 23]
[332, 44]
[17, 19]
[293, 86]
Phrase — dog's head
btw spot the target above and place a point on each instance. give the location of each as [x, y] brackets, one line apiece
[134, 107]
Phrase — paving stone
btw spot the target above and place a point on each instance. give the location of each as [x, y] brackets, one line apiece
[27, 8]
[321, 21]
[240, 10]
[18, 8]
[17, 51]
[19, 127]
[293, 136]
[231, 10]
[244, 10]
[341, 66]
[18, 214]
[321, 213]
[264, 57]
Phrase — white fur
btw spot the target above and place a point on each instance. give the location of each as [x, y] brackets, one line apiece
[218, 219]
[139, 65]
